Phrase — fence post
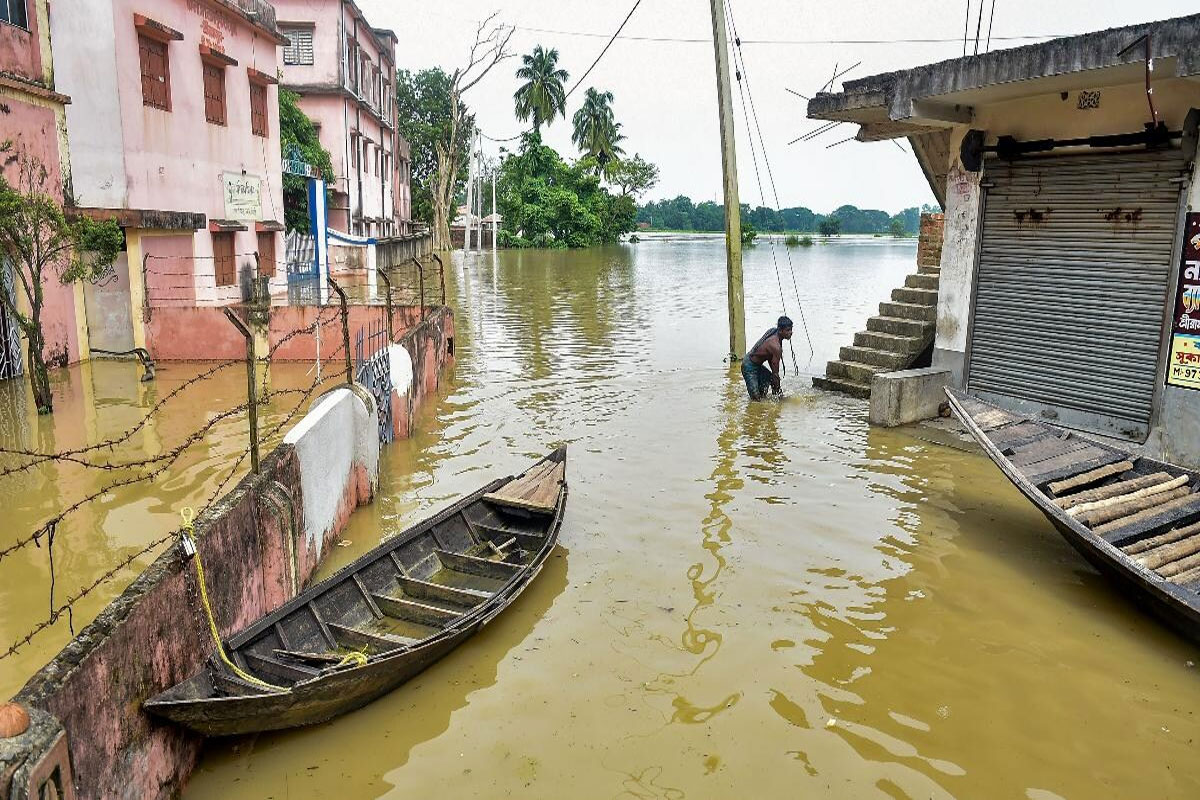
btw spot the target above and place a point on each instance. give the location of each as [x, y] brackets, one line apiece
[345, 329]
[251, 386]
[259, 318]
[421, 279]
[388, 283]
[442, 272]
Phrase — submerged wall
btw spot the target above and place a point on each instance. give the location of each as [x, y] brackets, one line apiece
[261, 544]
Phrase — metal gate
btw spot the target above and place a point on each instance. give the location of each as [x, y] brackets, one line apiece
[10, 335]
[1075, 259]
[374, 371]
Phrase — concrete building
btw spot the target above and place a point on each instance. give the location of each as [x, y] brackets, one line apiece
[175, 133]
[1067, 170]
[33, 119]
[344, 70]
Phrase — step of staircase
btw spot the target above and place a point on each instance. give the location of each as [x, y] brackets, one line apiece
[909, 311]
[921, 280]
[898, 326]
[923, 270]
[855, 371]
[920, 297]
[859, 390]
[888, 359]
[908, 345]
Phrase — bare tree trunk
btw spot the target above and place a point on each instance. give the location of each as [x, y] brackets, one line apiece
[39, 375]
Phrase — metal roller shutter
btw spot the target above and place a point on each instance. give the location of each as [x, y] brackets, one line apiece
[1072, 283]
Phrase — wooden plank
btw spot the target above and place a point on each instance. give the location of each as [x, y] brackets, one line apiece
[355, 638]
[1112, 490]
[1070, 464]
[546, 495]
[234, 688]
[1087, 478]
[318, 658]
[1099, 516]
[447, 594]
[1022, 431]
[415, 612]
[482, 567]
[1184, 510]
[492, 533]
[328, 634]
[1012, 444]
[375, 611]
[519, 485]
[274, 669]
[1047, 448]
[988, 417]
[1173, 535]
[283, 639]
[1170, 553]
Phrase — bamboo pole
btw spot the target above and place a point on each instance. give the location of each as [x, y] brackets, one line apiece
[1157, 488]
[1108, 513]
[1112, 490]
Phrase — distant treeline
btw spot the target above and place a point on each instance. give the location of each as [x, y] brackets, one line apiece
[681, 214]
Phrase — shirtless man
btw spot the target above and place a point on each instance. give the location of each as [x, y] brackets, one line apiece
[767, 351]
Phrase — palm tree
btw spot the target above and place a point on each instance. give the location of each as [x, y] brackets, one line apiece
[597, 133]
[541, 97]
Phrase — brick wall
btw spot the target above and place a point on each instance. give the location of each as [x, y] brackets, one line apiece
[929, 243]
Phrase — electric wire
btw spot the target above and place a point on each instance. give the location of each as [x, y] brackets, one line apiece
[587, 72]
[744, 77]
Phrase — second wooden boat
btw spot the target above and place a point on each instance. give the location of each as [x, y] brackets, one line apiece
[1137, 520]
[383, 619]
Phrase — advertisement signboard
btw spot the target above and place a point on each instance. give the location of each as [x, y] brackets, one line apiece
[1184, 367]
[243, 196]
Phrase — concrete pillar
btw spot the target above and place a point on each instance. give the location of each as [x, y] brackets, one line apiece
[959, 243]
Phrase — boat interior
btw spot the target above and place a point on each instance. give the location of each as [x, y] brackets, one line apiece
[1148, 510]
[405, 592]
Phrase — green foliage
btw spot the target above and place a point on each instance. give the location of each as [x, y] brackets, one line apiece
[542, 97]
[896, 228]
[546, 202]
[749, 233]
[423, 111]
[597, 134]
[681, 214]
[296, 131]
[633, 176]
[792, 240]
[830, 226]
[806, 241]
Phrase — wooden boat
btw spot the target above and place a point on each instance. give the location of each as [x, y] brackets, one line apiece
[402, 606]
[1135, 519]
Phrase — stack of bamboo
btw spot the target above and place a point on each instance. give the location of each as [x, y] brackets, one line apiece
[1174, 555]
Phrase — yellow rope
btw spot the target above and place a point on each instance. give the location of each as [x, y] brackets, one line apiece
[358, 658]
[188, 515]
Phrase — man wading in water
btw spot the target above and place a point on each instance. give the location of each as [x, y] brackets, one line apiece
[767, 350]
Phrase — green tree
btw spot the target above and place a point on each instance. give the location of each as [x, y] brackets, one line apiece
[897, 227]
[633, 176]
[749, 233]
[40, 242]
[298, 134]
[597, 133]
[830, 226]
[546, 202]
[423, 116]
[542, 97]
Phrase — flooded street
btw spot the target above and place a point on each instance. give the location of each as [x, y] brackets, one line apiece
[762, 600]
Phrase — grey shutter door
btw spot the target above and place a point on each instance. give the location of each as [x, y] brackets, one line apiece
[1072, 285]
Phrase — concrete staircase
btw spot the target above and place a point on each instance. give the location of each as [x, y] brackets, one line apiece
[900, 337]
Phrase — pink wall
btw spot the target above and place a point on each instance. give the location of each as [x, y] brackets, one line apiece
[34, 129]
[20, 49]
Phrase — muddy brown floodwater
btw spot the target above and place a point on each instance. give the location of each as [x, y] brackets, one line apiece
[767, 600]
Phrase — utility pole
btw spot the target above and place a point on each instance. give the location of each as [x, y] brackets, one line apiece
[733, 208]
[495, 219]
[470, 199]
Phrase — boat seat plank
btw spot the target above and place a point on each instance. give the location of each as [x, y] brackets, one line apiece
[539, 494]
[988, 417]
[481, 567]
[412, 611]
[1112, 490]
[274, 669]
[355, 637]
[1184, 510]
[425, 590]
[1071, 464]
[318, 658]
[1075, 482]
[1043, 449]
[1011, 435]
[499, 535]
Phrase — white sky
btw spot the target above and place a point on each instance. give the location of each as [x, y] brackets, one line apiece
[665, 92]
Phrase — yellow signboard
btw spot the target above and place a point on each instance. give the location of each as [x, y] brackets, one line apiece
[1184, 369]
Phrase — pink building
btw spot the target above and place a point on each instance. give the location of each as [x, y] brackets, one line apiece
[175, 134]
[345, 73]
[32, 117]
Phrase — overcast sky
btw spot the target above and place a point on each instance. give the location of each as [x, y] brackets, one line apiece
[665, 92]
